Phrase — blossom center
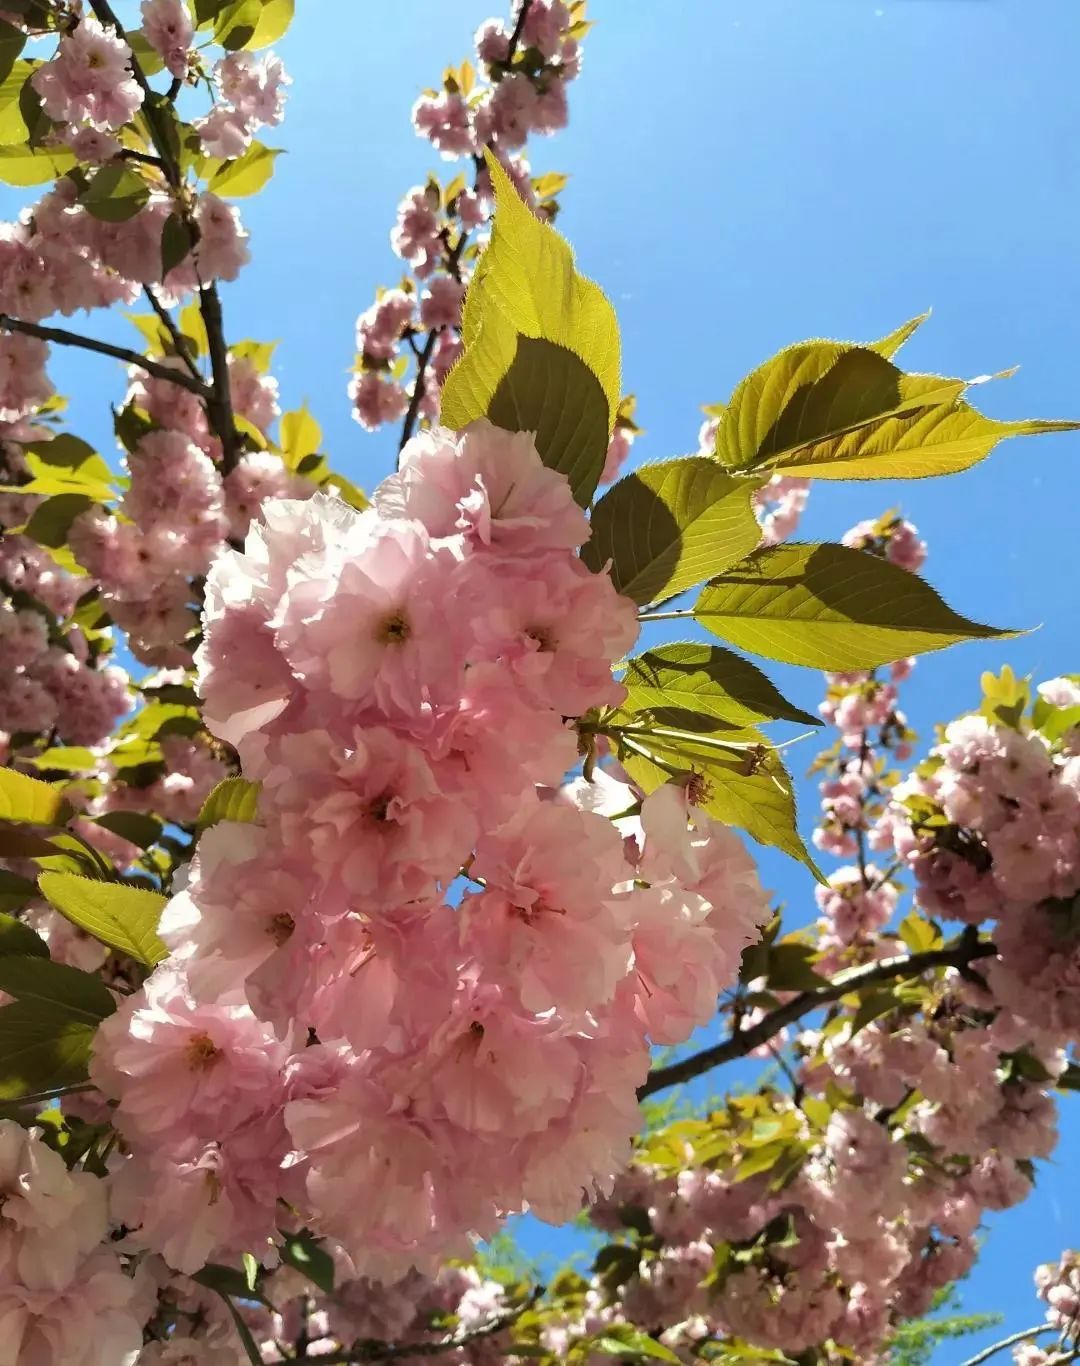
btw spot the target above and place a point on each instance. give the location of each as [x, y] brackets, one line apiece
[202, 1053]
[544, 637]
[394, 629]
[281, 927]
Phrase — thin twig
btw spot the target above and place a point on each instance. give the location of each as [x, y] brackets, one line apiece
[387, 1351]
[177, 337]
[62, 337]
[738, 1045]
[1011, 1341]
[453, 262]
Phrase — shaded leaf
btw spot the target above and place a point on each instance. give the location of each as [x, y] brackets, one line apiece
[79, 995]
[51, 520]
[137, 827]
[668, 526]
[16, 937]
[830, 607]
[306, 1254]
[115, 193]
[707, 679]
[40, 1050]
[525, 287]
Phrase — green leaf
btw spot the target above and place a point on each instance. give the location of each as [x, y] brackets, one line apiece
[261, 354]
[668, 526]
[251, 1271]
[745, 786]
[243, 1332]
[631, 1344]
[236, 23]
[177, 241]
[830, 607]
[789, 968]
[29, 799]
[234, 799]
[301, 436]
[40, 1049]
[226, 1280]
[275, 16]
[123, 917]
[66, 759]
[552, 393]
[115, 193]
[831, 410]
[51, 520]
[12, 42]
[78, 995]
[137, 827]
[148, 57]
[919, 934]
[246, 174]
[16, 937]
[706, 679]
[304, 1253]
[23, 165]
[348, 492]
[12, 124]
[39, 126]
[889, 345]
[525, 288]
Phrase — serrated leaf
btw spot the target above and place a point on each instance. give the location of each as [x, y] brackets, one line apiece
[890, 344]
[747, 787]
[688, 677]
[525, 286]
[550, 391]
[66, 759]
[56, 986]
[51, 520]
[301, 436]
[668, 526]
[830, 607]
[28, 799]
[275, 16]
[177, 241]
[234, 799]
[125, 918]
[40, 1049]
[137, 827]
[247, 174]
[115, 193]
[16, 937]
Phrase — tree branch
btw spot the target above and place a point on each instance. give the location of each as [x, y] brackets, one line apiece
[219, 400]
[62, 337]
[961, 952]
[179, 341]
[1011, 1341]
[386, 1351]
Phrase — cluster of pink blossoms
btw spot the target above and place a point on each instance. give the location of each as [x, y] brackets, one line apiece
[50, 683]
[528, 64]
[1058, 1283]
[990, 828]
[450, 1019]
[66, 1294]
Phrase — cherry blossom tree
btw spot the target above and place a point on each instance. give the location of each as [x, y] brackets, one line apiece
[349, 922]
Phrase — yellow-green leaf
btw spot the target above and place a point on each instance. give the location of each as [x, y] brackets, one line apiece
[246, 174]
[526, 286]
[123, 917]
[57, 986]
[301, 435]
[830, 607]
[234, 799]
[668, 526]
[22, 165]
[12, 124]
[28, 799]
[275, 16]
[685, 677]
[889, 345]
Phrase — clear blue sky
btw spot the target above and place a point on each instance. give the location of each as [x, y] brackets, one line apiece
[748, 173]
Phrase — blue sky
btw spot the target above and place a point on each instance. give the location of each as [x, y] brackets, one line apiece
[745, 174]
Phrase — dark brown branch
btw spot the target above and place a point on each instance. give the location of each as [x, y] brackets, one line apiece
[961, 952]
[219, 402]
[62, 337]
[387, 1351]
[177, 337]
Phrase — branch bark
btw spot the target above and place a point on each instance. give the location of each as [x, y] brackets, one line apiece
[62, 337]
[738, 1045]
[1011, 1341]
